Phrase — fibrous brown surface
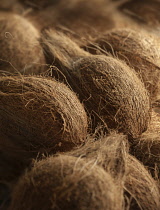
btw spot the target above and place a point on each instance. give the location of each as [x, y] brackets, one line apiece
[66, 182]
[111, 152]
[138, 49]
[109, 89]
[38, 115]
[143, 190]
[20, 48]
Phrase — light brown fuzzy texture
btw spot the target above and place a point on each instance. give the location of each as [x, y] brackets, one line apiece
[111, 91]
[38, 115]
[138, 49]
[68, 183]
[143, 190]
[108, 152]
[20, 48]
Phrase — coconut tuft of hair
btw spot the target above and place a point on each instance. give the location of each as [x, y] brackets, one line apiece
[109, 152]
[137, 48]
[38, 115]
[110, 90]
[21, 51]
[66, 182]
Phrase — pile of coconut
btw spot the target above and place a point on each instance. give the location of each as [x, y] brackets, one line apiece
[79, 105]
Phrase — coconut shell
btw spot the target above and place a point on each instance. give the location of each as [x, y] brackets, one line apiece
[142, 190]
[20, 48]
[68, 183]
[110, 90]
[38, 115]
[138, 49]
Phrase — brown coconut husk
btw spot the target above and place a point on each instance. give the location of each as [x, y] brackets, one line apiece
[147, 147]
[111, 91]
[68, 183]
[138, 49]
[20, 47]
[110, 153]
[38, 115]
[144, 11]
[141, 189]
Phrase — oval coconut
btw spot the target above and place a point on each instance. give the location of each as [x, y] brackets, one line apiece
[37, 116]
[20, 48]
[68, 183]
[111, 91]
[139, 188]
[142, 188]
[138, 49]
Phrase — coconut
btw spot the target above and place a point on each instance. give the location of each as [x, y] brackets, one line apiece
[138, 49]
[20, 48]
[141, 187]
[110, 152]
[38, 115]
[147, 147]
[110, 90]
[65, 182]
